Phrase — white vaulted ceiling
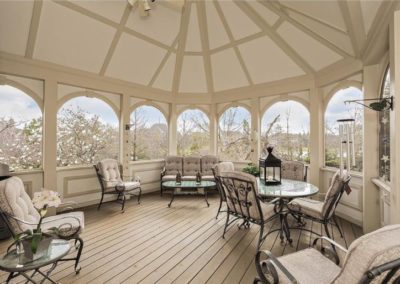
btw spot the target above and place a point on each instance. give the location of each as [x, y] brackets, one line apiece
[190, 47]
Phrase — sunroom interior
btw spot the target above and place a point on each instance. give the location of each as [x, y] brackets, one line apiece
[139, 85]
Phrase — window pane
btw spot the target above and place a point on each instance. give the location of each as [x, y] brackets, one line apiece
[384, 132]
[286, 125]
[149, 132]
[234, 135]
[337, 109]
[87, 132]
[20, 130]
[193, 135]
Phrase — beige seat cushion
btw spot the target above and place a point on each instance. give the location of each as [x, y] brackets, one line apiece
[190, 178]
[130, 185]
[68, 223]
[307, 206]
[308, 266]
[168, 177]
[210, 178]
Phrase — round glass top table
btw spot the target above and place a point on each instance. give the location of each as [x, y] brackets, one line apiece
[17, 264]
[188, 187]
[288, 189]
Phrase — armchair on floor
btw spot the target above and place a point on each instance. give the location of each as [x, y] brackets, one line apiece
[322, 212]
[109, 174]
[217, 170]
[372, 258]
[243, 202]
[19, 214]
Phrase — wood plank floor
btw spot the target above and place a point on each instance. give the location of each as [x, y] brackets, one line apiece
[151, 243]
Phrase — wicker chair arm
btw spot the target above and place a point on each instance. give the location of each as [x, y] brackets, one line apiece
[268, 266]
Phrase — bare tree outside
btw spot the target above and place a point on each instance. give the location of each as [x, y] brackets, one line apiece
[149, 134]
[234, 141]
[286, 126]
[193, 135]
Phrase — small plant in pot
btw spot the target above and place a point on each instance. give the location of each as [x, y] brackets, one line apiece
[251, 169]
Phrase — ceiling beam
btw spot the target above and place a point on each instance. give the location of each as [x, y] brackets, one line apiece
[183, 30]
[202, 18]
[33, 29]
[232, 39]
[263, 25]
[352, 14]
[117, 36]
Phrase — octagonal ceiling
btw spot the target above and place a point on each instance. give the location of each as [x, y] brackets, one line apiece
[192, 47]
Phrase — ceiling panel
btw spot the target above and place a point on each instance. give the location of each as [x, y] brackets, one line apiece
[226, 70]
[267, 62]
[269, 16]
[193, 41]
[69, 38]
[193, 78]
[162, 24]
[164, 79]
[15, 19]
[369, 10]
[135, 60]
[240, 24]
[315, 53]
[112, 10]
[216, 32]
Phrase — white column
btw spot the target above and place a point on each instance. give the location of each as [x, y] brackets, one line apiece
[213, 129]
[255, 130]
[172, 129]
[371, 211]
[50, 134]
[316, 136]
[125, 137]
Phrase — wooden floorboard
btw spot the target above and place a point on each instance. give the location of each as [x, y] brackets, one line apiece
[151, 243]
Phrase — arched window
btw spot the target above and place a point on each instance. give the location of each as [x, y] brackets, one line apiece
[384, 131]
[20, 130]
[234, 134]
[87, 132]
[286, 125]
[149, 132]
[193, 136]
[337, 109]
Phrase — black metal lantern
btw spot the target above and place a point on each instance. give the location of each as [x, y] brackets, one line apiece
[270, 169]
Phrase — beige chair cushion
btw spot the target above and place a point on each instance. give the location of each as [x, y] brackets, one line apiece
[68, 223]
[208, 177]
[223, 167]
[191, 166]
[130, 185]
[307, 206]
[109, 170]
[293, 170]
[168, 177]
[308, 266]
[16, 202]
[369, 251]
[173, 164]
[336, 185]
[207, 164]
[189, 178]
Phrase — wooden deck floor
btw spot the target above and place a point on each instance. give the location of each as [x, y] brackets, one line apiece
[151, 243]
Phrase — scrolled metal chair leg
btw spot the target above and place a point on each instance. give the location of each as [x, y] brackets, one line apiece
[226, 225]
[101, 201]
[140, 194]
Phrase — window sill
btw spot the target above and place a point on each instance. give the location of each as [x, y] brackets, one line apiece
[333, 170]
[381, 184]
[72, 168]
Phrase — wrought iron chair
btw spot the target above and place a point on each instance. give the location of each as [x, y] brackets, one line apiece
[217, 170]
[243, 202]
[294, 170]
[372, 258]
[109, 174]
[19, 214]
[322, 212]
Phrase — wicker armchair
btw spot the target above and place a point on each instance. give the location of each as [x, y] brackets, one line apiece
[108, 172]
[294, 170]
[217, 170]
[322, 212]
[19, 214]
[243, 202]
[372, 258]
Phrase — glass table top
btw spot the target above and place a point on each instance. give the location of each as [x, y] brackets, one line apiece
[189, 184]
[288, 189]
[14, 262]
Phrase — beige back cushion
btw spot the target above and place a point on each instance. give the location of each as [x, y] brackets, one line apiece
[241, 193]
[16, 202]
[109, 169]
[336, 186]
[223, 167]
[173, 164]
[207, 164]
[191, 165]
[293, 170]
[369, 251]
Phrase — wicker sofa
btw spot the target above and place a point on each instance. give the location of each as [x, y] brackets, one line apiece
[188, 167]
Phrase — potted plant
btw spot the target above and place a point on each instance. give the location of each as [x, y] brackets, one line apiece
[251, 169]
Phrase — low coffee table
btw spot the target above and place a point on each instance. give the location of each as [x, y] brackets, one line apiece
[188, 188]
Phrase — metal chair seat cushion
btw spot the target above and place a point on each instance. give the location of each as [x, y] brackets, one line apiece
[168, 177]
[68, 224]
[308, 266]
[307, 206]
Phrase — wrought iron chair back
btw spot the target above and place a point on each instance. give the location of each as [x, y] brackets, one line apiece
[217, 170]
[332, 200]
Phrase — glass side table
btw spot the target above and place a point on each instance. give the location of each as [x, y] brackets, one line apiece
[18, 265]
